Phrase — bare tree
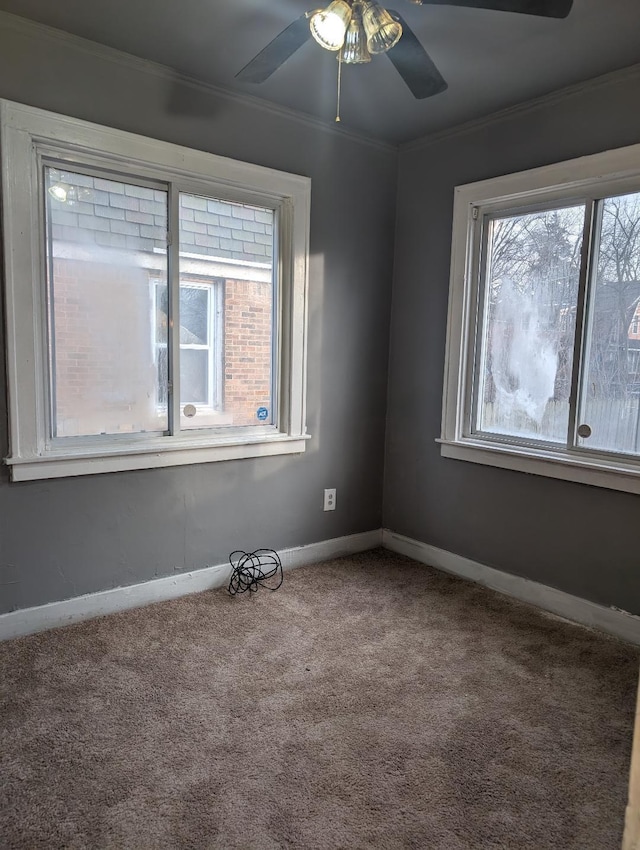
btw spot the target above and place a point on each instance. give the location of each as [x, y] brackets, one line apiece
[616, 297]
[539, 255]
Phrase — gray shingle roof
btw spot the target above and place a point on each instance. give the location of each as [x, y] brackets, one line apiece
[118, 215]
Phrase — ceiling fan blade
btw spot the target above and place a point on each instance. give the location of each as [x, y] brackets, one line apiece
[414, 64]
[276, 52]
[544, 8]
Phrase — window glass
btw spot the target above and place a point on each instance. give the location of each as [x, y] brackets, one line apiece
[194, 377]
[197, 385]
[194, 315]
[227, 340]
[528, 320]
[104, 238]
[610, 410]
[196, 352]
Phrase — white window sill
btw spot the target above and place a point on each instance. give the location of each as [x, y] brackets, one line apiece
[598, 472]
[66, 463]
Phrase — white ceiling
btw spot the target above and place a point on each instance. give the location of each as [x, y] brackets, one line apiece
[490, 60]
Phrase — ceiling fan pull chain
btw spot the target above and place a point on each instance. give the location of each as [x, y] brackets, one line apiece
[339, 85]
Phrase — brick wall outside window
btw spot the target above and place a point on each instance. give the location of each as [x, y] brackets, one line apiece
[247, 350]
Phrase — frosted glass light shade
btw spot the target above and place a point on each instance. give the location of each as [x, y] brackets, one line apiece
[329, 26]
[382, 31]
[355, 50]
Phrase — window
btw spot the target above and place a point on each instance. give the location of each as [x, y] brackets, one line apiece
[543, 349]
[157, 311]
[201, 351]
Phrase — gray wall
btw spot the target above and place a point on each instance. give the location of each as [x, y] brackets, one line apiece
[71, 536]
[584, 540]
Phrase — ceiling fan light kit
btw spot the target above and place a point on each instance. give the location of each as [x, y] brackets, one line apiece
[329, 26]
[354, 50]
[356, 29]
[382, 31]
[346, 23]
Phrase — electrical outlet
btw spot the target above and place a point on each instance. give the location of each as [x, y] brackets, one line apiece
[330, 499]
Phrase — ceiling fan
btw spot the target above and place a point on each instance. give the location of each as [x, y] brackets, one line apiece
[358, 29]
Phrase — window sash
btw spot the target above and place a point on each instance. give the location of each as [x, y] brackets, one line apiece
[479, 328]
[47, 159]
[174, 188]
[479, 249]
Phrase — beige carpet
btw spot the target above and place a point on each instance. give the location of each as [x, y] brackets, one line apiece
[369, 703]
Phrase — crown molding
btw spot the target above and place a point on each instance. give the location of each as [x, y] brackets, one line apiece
[27, 27]
[632, 72]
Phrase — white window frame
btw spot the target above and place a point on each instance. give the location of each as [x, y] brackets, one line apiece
[27, 135]
[586, 179]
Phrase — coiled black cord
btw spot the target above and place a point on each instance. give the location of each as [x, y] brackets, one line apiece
[252, 570]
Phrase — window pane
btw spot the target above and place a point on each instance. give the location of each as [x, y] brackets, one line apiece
[611, 387]
[529, 312]
[106, 244]
[227, 305]
[194, 376]
[194, 315]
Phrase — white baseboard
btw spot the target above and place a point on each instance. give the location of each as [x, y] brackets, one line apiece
[612, 620]
[55, 614]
